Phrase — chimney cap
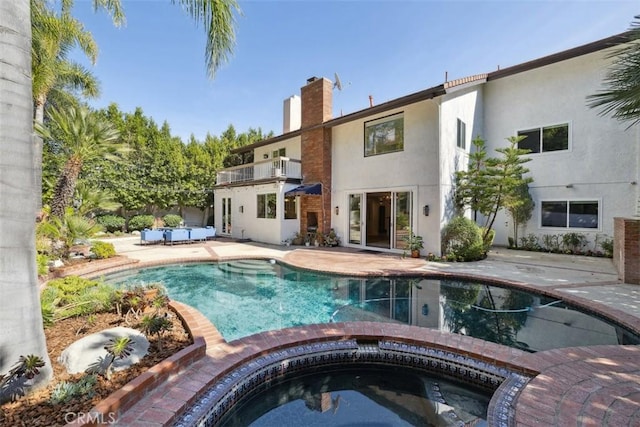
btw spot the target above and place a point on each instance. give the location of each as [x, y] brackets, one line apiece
[312, 79]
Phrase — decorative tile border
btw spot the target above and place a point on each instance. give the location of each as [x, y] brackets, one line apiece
[256, 374]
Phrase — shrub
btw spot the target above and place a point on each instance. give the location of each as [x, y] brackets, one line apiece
[530, 242]
[574, 242]
[606, 243]
[462, 240]
[103, 250]
[43, 264]
[111, 223]
[74, 296]
[171, 220]
[551, 242]
[140, 222]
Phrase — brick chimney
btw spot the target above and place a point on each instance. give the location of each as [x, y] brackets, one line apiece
[316, 97]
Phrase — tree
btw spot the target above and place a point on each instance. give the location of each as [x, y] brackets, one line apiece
[21, 319]
[489, 182]
[520, 206]
[622, 94]
[84, 137]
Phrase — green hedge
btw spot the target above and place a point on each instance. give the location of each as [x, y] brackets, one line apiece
[111, 223]
[140, 222]
[171, 220]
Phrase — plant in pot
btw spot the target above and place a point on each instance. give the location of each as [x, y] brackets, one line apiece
[413, 243]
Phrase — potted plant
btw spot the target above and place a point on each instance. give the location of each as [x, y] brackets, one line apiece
[331, 239]
[413, 243]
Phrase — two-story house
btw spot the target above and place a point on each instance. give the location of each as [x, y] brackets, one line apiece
[375, 174]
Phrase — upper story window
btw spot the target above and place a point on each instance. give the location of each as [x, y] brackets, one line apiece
[543, 139]
[384, 135]
[570, 213]
[281, 152]
[267, 205]
[461, 134]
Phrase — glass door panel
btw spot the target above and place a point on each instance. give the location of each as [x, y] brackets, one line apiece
[226, 215]
[355, 218]
[403, 218]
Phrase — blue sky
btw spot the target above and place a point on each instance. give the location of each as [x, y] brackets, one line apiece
[386, 49]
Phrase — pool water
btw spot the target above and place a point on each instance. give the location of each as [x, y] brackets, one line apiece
[245, 297]
[361, 397]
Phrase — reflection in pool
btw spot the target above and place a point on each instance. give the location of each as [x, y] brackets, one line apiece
[361, 396]
[245, 297]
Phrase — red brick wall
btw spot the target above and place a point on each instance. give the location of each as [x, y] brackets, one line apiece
[316, 103]
[626, 249]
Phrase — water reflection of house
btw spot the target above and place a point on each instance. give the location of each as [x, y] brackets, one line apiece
[374, 174]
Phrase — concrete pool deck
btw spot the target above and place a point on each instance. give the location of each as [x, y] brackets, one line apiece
[571, 386]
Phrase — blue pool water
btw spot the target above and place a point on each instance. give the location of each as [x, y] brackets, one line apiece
[245, 297]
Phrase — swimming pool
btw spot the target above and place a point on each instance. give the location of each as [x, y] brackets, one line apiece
[245, 297]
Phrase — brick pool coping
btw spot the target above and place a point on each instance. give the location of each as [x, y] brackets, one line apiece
[593, 385]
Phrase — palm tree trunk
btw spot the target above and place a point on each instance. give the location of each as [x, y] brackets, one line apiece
[20, 319]
[65, 187]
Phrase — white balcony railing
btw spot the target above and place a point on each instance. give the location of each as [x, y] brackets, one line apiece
[279, 167]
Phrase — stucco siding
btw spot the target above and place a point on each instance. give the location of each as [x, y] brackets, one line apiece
[602, 159]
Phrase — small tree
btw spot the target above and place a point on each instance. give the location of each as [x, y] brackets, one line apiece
[489, 182]
[519, 205]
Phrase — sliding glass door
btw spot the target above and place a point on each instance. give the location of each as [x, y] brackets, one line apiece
[380, 219]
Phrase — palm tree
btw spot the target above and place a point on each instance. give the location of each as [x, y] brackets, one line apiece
[52, 38]
[84, 137]
[21, 320]
[622, 94]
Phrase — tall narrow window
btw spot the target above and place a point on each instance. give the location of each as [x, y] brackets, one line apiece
[290, 209]
[355, 218]
[461, 134]
[226, 215]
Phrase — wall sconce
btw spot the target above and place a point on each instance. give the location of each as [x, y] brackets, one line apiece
[241, 209]
[265, 156]
[425, 210]
[569, 186]
[337, 210]
[425, 310]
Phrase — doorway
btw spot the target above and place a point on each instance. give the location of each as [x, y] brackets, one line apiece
[378, 230]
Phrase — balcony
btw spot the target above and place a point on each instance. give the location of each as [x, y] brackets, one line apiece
[277, 168]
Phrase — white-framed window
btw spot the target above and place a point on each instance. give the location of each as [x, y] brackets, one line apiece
[384, 135]
[570, 214]
[267, 205]
[546, 138]
[461, 134]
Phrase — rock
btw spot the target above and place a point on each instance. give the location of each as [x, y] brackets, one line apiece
[56, 263]
[88, 351]
[135, 233]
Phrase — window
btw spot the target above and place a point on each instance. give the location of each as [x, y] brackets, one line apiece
[384, 135]
[267, 205]
[462, 134]
[290, 210]
[542, 140]
[282, 152]
[570, 214]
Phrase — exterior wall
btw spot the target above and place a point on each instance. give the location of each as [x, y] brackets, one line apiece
[244, 220]
[292, 147]
[465, 104]
[413, 169]
[602, 160]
